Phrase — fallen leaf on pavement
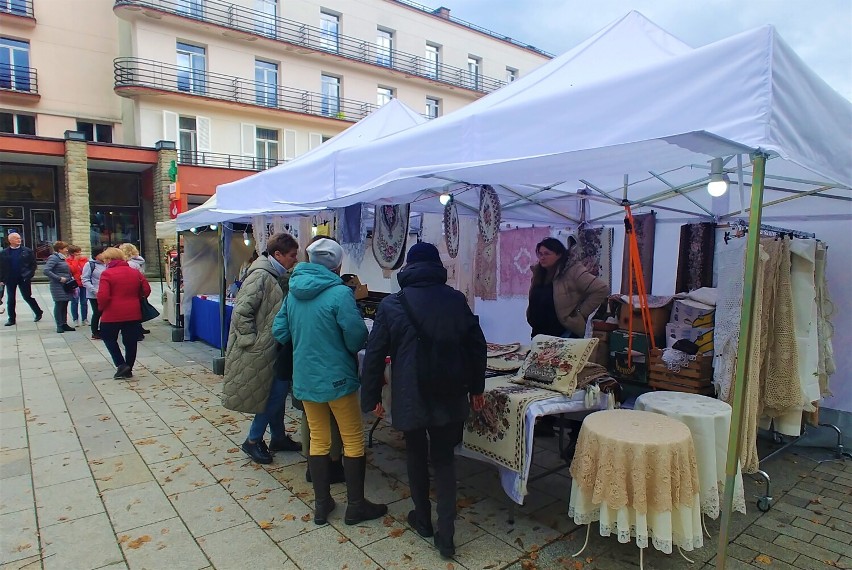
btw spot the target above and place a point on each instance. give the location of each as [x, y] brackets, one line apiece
[306, 517]
[233, 450]
[137, 542]
[388, 521]
[149, 441]
[397, 532]
[265, 525]
[24, 546]
[341, 539]
[219, 509]
[520, 543]
[815, 501]
[763, 559]
[123, 538]
[289, 517]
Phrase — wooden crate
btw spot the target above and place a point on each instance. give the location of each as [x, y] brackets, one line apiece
[695, 378]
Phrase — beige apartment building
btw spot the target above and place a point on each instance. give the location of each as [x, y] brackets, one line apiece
[98, 97]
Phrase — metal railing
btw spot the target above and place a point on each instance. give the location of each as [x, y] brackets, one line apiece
[231, 161]
[17, 8]
[479, 29]
[135, 72]
[18, 78]
[314, 38]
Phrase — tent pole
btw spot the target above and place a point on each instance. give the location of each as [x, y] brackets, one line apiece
[219, 362]
[743, 352]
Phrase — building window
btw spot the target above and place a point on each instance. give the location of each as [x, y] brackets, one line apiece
[266, 147]
[17, 124]
[383, 95]
[187, 140]
[473, 66]
[330, 104]
[511, 74]
[192, 64]
[193, 8]
[433, 107]
[329, 31]
[266, 79]
[384, 47]
[17, 7]
[433, 60]
[14, 64]
[95, 132]
[266, 20]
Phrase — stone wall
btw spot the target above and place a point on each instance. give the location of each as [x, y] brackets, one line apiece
[74, 205]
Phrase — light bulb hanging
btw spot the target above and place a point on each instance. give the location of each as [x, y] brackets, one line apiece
[246, 239]
[718, 184]
[213, 226]
[445, 199]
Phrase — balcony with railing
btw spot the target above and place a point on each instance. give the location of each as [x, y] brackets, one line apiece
[134, 75]
[230, 161]
[257, 23]
[19, 82]
[21, 12]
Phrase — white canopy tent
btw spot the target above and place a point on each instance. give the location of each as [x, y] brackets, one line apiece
[630, 114]
[312, 172]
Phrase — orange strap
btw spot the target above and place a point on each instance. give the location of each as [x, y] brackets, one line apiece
[637, 277]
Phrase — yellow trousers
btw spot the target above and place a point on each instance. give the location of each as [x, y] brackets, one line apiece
[347, 413]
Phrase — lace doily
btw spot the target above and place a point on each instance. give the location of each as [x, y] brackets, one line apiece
[390, 230]
[489, 213]
[664, 545]
[451, 229]
[676, 359]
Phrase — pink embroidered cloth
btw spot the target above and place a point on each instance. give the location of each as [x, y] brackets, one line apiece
[517, 255]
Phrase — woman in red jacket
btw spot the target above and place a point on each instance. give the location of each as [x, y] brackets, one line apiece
[119, 300]
[79, 307]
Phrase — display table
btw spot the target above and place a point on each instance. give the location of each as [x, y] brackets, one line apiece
[709, 421]
[514, 483]
[636, 473]
[204, 321]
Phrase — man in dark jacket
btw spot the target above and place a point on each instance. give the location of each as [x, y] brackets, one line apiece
[17, 267]
[432, 426]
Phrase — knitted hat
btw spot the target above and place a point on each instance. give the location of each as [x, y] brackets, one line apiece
[423, 252]
[326, 252]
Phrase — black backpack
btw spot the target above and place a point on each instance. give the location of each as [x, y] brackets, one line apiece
[443, 364]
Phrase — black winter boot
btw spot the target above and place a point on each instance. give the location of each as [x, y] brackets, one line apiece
[358, 509]
[323, 502]
[418, 482]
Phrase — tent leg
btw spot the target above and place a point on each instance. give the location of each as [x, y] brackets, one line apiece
[219, 362]
[743, 352]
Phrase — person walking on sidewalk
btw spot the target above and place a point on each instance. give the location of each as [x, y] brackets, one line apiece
[91, 278]
[430, 415]
[59, 274]
[327, 331]
[251, 358]
[120, 294]
[137, 262]
[17, 267]
[79, 307]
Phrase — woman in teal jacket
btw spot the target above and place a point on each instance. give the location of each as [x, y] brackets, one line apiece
[321, 319]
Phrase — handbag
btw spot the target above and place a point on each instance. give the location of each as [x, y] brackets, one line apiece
[70, 285]
[149, 312]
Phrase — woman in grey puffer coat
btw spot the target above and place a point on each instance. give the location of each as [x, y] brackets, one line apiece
[59, 273]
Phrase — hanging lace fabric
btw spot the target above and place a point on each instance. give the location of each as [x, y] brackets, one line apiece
[825, 310]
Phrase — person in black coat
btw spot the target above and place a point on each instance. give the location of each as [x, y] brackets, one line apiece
[17, 267]
[432, 426]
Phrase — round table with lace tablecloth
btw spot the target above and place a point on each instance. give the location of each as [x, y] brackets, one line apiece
[709, 420]
[636, 473]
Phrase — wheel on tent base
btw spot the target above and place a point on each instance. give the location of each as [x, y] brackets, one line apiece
[764, 504]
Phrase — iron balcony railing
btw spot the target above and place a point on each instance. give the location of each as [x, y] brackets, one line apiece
[311, 37]
[218, 160]
[18, 78]
[135, 72]
[17, 7]
[479, 29]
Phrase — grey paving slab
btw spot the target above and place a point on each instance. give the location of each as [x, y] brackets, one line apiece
[47, 423]
[180, 475]
[52, 443]
[121, 471]
[137, 505]
[336, 551]
[284, 514]
[108, 444]
[244, 546]
[13, 419]
[13, 438]
[208, 509]
[60, 468]
[19, 537]
[14, 462]
[17, 494]
[164, 544]
[161, 448]
[80, 544]
[67, 501]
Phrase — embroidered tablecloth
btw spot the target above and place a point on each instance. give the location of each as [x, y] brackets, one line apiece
[636, 473]
[709, 421]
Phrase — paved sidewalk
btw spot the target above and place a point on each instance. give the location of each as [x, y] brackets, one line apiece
[102, 473]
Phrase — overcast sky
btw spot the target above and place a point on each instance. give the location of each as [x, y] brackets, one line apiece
[820, 31]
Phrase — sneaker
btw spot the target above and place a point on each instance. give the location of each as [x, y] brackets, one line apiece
[67, 327]
[284, 444]
[145, 331]
[123, 371]
[85, 323]
[96, 336]
[257, 453]
[38, 316]
[9, 324]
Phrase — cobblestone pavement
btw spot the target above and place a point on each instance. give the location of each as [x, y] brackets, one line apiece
[102, 473]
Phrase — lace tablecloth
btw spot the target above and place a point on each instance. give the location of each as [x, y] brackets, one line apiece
[636, 473]
[709, 420]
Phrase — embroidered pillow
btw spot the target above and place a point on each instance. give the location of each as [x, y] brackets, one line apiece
[553, 363]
